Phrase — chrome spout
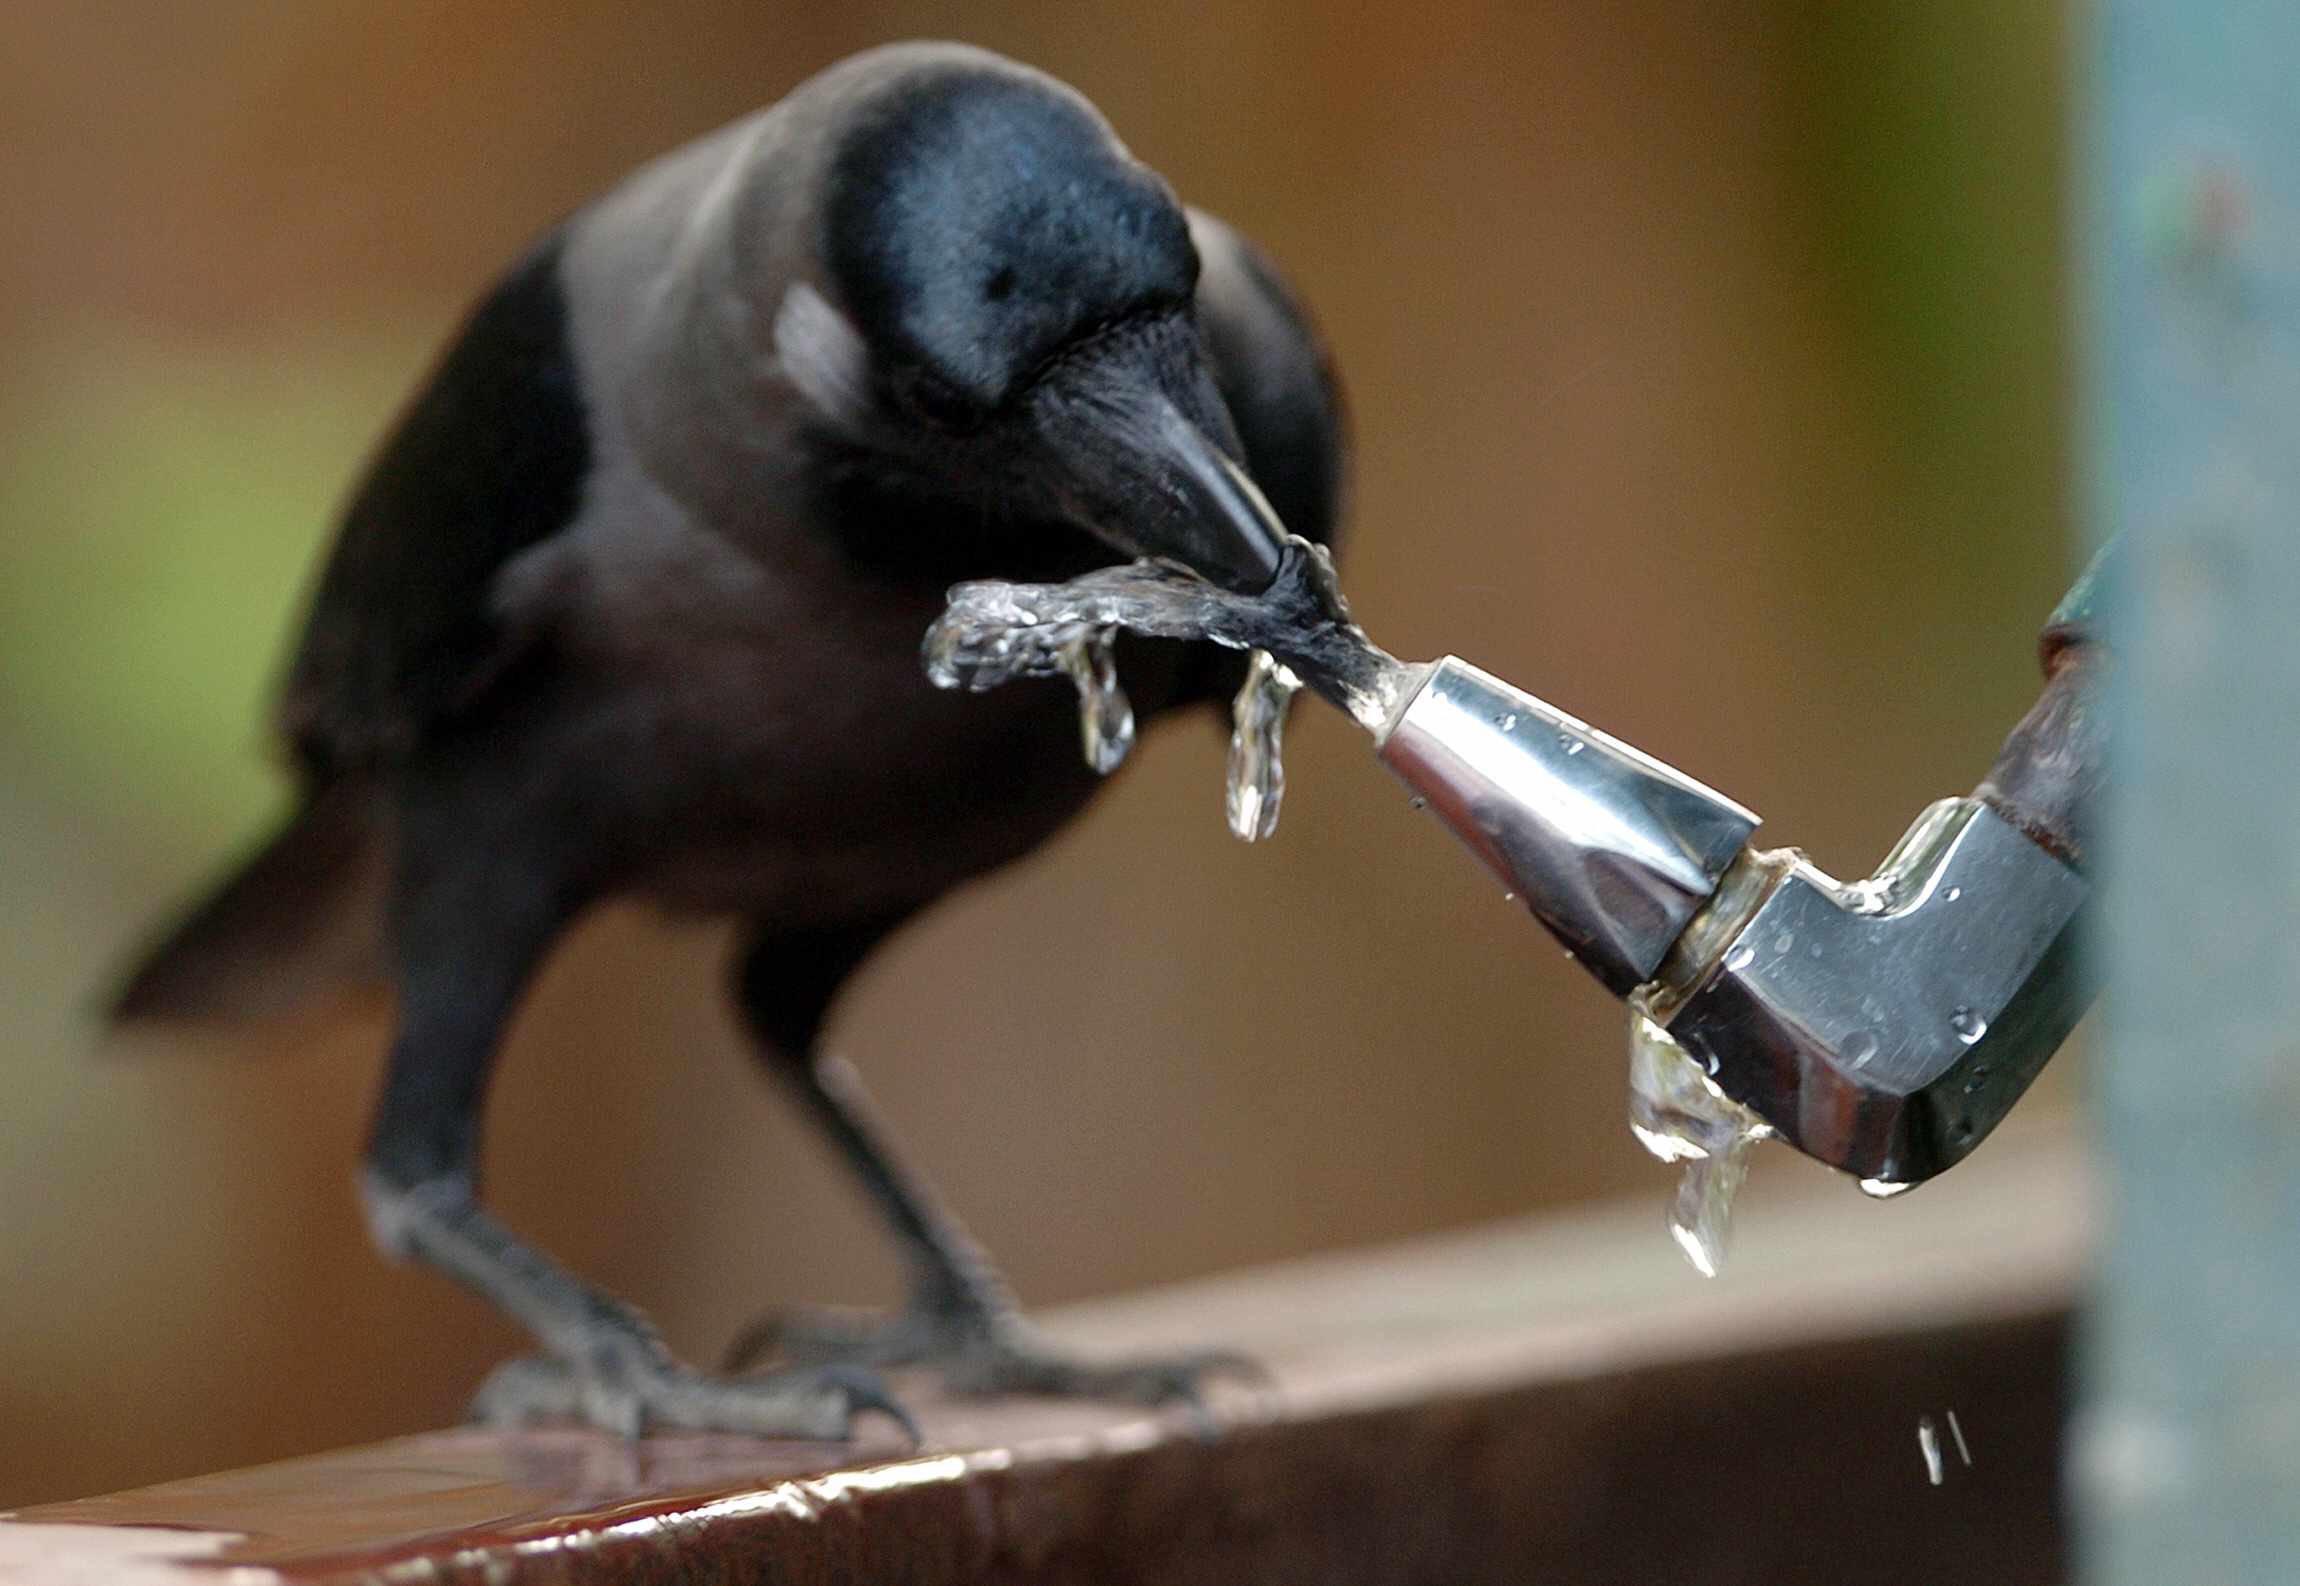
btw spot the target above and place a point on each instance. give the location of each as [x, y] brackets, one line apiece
[1885, 1026]
[1609, 848]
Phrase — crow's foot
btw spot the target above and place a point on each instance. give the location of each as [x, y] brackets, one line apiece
[980, 1354]
[630, 1387]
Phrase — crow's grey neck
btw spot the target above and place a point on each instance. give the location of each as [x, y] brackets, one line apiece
[673, 281]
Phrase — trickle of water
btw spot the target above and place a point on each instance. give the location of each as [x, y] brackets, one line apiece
[1105, 715]
[971, 654]
[992, 632]
[1929, 1445]
[1680, 1115]
[1866, 896]
[1257, 774]
[1970, 1026]
[1878, 1189]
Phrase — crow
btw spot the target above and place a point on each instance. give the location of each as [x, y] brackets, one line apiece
[628, 604]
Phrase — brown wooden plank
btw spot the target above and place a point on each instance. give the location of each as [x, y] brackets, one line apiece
[1539, 1402]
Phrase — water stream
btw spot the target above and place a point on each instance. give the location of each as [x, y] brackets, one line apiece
[1298, 633]
[1677, 1112]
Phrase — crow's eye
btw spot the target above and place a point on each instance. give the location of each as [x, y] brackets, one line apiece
[933, 400]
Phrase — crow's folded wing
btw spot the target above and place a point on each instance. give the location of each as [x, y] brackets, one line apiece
[489, 459]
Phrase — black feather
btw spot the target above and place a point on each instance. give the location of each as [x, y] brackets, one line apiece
[488, 460]
[974, 219]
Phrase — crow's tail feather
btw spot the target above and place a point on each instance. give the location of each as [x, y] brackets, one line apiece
[300, 919]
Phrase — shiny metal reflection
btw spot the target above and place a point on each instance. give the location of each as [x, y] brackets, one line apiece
[1609, 848]
[1885, 1026]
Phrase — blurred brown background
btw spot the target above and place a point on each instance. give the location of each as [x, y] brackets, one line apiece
[1708, 378]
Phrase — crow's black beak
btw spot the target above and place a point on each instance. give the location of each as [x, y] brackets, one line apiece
[1148, 458]
[1224, 530]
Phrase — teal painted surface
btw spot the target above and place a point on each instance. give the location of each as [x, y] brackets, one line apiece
[2186, 1457]
[2090, 598]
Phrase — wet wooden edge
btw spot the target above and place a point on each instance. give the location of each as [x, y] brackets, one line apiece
[1560, 1395]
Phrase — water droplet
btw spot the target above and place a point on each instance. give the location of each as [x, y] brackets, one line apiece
[1964, 1454]
[1883, 1189]
[1977, 1080]
[1812, 949]
[1860, 1046]
[1256, 785]
[1956, 893]
[1970, 1026]
[1418, 802]
[1105, 717]
[1740, 958]
[1679, 1114]
[1509, 897]
[941, 653]
[1574, 746]
[1509, 722]
[1783, 942]
[1929, 1444]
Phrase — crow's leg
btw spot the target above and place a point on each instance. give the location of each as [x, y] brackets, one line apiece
[472, 919]
[960, 1317]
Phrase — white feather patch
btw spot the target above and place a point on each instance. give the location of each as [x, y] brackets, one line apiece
[823, 355]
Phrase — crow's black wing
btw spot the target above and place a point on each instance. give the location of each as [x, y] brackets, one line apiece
[489, 459]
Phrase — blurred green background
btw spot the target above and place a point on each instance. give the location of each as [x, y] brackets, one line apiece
[1709, 378]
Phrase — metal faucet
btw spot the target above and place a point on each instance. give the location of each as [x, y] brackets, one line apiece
[1883, 1026]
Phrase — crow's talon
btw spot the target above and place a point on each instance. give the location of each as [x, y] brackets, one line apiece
[982, 1355]
[632, 1395]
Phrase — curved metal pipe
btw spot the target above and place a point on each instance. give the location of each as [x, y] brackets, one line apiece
[1884, 1026]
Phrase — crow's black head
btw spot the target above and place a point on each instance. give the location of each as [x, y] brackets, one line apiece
[980, 221]
[1009, 312]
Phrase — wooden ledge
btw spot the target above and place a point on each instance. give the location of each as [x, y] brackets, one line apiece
[1551, 1401]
